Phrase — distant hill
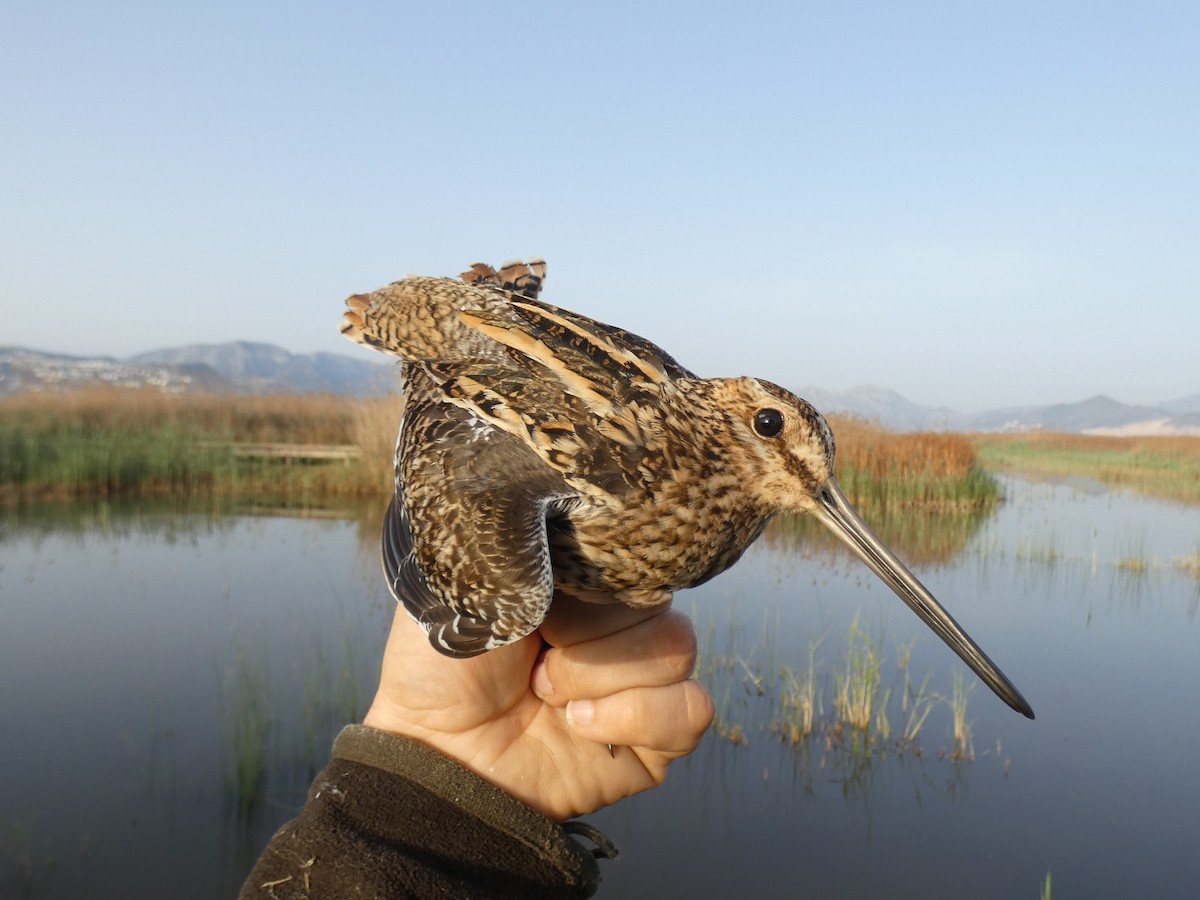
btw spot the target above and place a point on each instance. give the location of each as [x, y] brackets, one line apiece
[240, 367]
[267, 369]
[1184, 405]
[884, 406]
[244, 367]
[1097, 415]
[1093, 414]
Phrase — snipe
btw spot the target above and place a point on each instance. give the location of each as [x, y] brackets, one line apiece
[541, 451]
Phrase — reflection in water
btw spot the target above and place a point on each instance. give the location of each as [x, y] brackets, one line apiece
[174, 679]
[917, 536]
[853, 708]
[168, 518]
[180, 678]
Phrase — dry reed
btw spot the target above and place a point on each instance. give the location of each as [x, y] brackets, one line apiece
[249, 418]
[882, 454]
[111, 440]
[878, 468]
[105, 441]
[1166, 467]
[374, 428]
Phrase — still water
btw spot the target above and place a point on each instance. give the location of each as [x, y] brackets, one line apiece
[133, 642]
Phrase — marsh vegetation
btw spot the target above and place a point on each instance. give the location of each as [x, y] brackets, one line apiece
[849, 698]
[1166, 467]
[108, 442]
[198, 664]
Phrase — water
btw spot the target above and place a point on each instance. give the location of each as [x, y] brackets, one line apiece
[130, 639]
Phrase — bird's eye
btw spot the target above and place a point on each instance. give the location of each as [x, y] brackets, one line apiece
[768, 422]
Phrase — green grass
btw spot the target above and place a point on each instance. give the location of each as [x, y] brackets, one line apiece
[975, 488]
[1167, 467]
[73, 462]
[110, 443]
[280, 711]
[248, 721]
[964, 739]
[77, 459]
[106, 442]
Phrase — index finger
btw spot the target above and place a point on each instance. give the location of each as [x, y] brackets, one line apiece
[655, 652]
[571, 621]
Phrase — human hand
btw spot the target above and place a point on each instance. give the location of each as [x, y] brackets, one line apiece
[537, 724]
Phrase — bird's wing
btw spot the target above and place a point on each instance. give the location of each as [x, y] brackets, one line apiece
[588, 335]
[419, 318]
[515, 276]
[607, 367]
[465, 542]
[496, 317]
[570, 425]
[568, 331]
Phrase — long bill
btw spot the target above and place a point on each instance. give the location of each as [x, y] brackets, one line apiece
[835, 512]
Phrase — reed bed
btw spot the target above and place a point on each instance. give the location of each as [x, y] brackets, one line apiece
[925, 494]
[880, 469]
[1166, 467]
[280, 418]
[105, 442]
[374, 425]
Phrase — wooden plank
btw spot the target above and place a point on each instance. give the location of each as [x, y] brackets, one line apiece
[340, 452]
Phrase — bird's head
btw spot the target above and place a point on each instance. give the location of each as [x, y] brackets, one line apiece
[786, 452]
[785, 445]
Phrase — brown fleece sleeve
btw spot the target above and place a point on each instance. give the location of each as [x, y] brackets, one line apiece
[389, 817]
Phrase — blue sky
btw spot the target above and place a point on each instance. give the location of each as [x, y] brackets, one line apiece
[975, 204]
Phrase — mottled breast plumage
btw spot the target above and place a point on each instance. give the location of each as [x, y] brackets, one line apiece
[541, 451]
[547, 457]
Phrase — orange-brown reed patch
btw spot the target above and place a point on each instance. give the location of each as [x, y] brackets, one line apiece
[375, 424]
[881, 468]
[159, 429]
[245, 418]
[104, 441]
[882, 454]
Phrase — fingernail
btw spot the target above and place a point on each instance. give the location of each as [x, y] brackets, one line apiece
[541, 681]
[581, 712]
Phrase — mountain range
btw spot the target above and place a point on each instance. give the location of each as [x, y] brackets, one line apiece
[244, 367]
[240, 367]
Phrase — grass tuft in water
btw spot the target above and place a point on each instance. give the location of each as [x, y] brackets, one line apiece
[857, 685]
[845, 706]
[22, 874]
[1134, 565]
[800, 700]
[960, 693]
[1189, 565]
[247, 721]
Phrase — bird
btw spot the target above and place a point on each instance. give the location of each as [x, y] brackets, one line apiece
[544, 454]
